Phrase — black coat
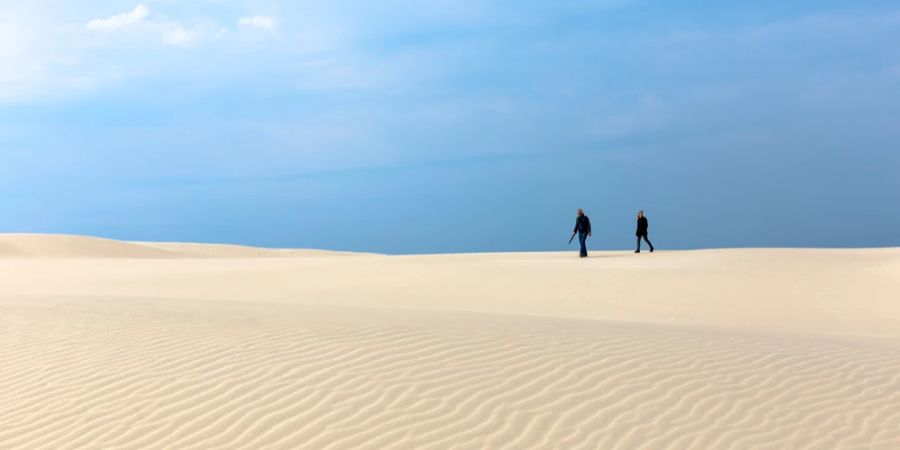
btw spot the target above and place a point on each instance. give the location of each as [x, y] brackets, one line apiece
[642, 226]
[582, 224]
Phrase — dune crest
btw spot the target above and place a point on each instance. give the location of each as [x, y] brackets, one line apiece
[26, 245]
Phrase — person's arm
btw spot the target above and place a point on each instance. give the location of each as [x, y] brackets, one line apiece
[588, 226]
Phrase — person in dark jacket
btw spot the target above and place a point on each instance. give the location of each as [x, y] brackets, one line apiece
[642, 226]
[583, 228]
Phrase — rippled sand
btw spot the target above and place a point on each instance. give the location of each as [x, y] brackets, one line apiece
[109, 344]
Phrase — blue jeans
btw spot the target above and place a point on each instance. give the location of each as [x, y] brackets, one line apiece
[582, 239]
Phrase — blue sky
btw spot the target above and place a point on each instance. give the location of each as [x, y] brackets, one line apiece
[441, 126]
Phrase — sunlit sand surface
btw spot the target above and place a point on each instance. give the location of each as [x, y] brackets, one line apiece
[109, 344]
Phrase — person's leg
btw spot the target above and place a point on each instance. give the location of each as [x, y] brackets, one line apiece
[582, 239]
[638, 245]
[649, 243]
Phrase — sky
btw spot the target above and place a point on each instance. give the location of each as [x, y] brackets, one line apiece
[450, 126]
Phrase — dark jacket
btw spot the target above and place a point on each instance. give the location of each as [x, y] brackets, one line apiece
[582, 224]
[642, 227]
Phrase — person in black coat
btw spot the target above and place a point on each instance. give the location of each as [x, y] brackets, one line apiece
[642, 226]
[583, 228]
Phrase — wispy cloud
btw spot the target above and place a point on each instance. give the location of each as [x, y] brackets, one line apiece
[178, 35]
[264, 22]
[120, 21]
[140, 20]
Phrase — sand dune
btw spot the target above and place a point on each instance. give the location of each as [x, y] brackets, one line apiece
[13, 245]
[703, 349]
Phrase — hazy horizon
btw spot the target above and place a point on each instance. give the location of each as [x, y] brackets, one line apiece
[436, 126]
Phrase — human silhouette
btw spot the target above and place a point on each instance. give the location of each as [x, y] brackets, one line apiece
[583, 228]
[642, 227]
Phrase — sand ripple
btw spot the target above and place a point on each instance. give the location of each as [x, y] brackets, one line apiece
[100, 374]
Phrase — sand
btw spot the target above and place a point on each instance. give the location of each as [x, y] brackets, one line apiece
[108, 344]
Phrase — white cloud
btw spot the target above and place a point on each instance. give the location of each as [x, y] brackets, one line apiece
[178, 35]
[120, 21]
[264, 22]
[168, 31]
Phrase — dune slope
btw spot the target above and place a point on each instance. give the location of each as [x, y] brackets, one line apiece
[767, 349]
[28, 245]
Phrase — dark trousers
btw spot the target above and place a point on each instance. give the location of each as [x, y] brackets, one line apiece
[582, 239]
[645, 238]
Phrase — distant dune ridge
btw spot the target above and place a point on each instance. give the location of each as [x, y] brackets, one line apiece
[67, 246]
[109, 344]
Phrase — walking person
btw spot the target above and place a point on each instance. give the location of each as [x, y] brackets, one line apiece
[642, 227]
[583, 228]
